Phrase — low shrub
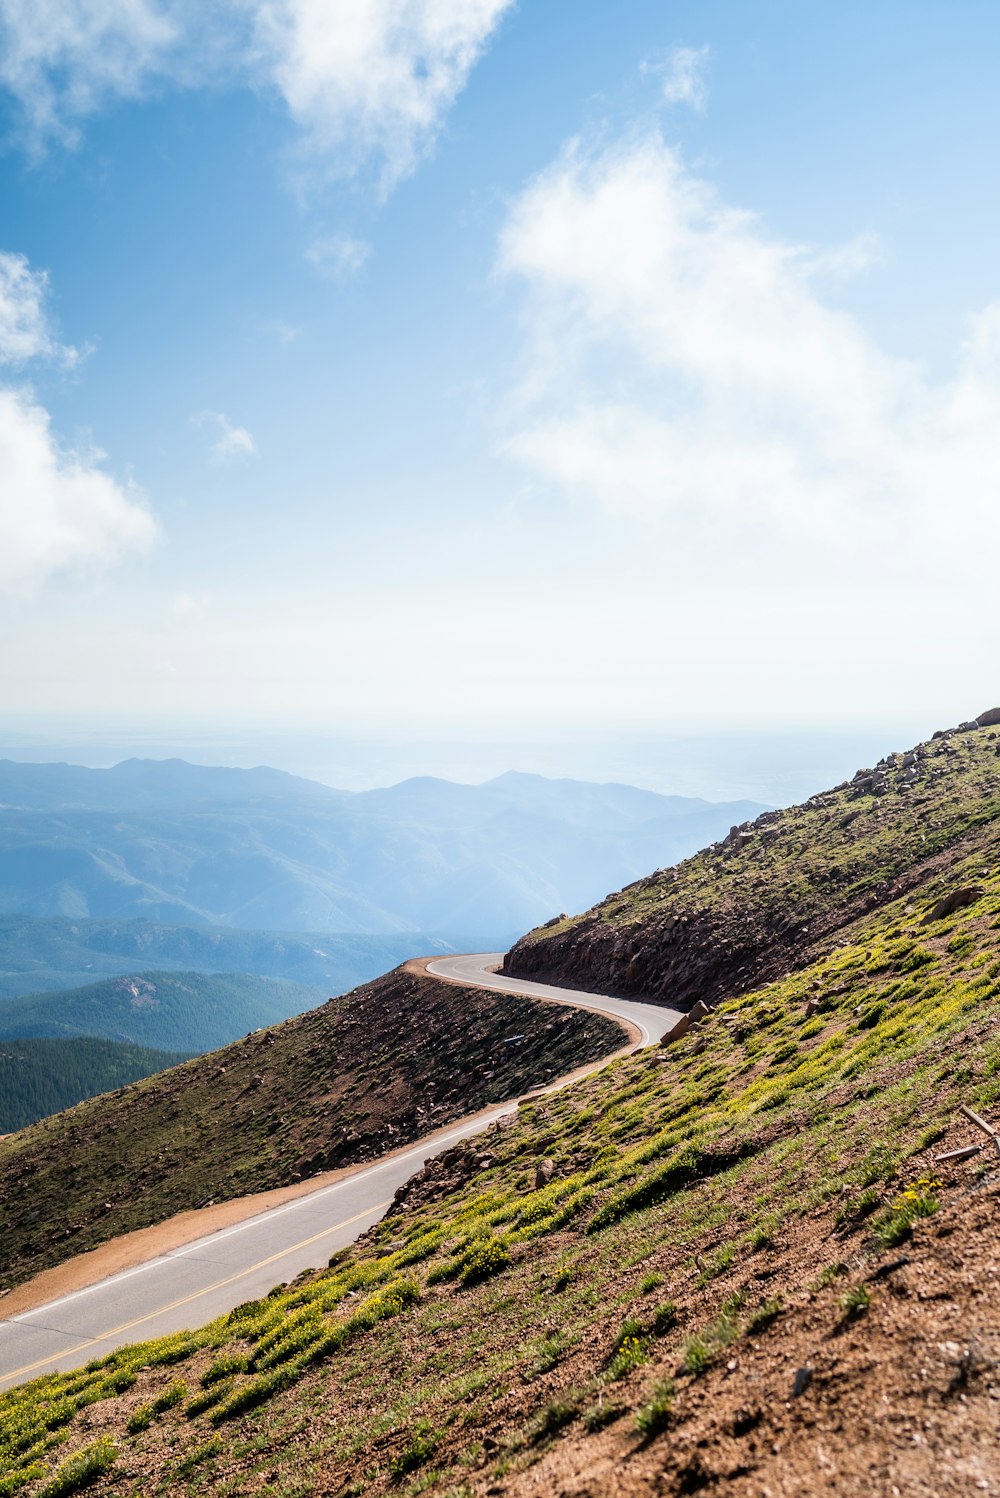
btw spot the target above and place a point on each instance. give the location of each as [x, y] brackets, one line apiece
[855, 1302]
[654, 1415]
[81, 1470]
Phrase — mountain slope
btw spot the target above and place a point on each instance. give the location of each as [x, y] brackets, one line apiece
[758, 1264]
[175, 1011]
[40, 1077]
[777, 892]
[342, 1083]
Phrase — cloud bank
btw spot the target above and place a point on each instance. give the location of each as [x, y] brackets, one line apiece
[58, 508]
[685, 367]
[364, 80]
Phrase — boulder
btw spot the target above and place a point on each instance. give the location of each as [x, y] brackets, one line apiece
[958, 899]
[989, 718]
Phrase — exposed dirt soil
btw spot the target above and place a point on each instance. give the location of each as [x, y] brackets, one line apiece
[901, 1399]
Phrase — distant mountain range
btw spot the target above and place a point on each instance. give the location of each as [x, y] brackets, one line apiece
[46, 953]
[195, 846]
[170, 1011]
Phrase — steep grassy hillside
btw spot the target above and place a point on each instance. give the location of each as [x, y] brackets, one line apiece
[176, 1011]
[343, 1083]
[39, 1077]
[747, 1268]
[776, 892]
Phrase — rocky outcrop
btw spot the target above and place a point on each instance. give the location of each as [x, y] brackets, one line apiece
[958, 899]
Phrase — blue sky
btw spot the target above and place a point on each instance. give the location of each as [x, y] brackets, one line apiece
[386, 368]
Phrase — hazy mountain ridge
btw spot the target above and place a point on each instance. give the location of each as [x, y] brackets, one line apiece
[258, 849]
[48, 953]
[174, 1011]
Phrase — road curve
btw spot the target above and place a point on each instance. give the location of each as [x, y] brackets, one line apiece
[194, 1283]
[479, 971]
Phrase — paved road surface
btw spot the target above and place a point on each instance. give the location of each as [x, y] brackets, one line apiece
[201, 1280]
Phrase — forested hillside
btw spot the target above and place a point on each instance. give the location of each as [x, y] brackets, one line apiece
[174, 1011]
[40, 1077]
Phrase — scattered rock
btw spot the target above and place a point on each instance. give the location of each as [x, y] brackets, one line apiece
[802, 1380]
[544, 1171]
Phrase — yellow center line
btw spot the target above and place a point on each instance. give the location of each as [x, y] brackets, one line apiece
[127, 1326]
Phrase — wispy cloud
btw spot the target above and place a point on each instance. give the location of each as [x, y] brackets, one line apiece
[683, 76]
[64, 61]
[187, 607]
[365, 80]
[231, 443]
[337, 257]
[282, 332]
[58, 507]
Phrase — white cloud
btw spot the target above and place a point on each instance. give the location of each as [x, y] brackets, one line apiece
[372, 78]
[186, 607]
[684, 76]
[24, 329]
[363, 79]
[64, 59]
[58, 508]
[842, 261]
[337, 257]
[685, 368]
[283, 333]
[232, 443]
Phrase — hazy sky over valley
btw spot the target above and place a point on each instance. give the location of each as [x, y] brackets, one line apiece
[390, 369]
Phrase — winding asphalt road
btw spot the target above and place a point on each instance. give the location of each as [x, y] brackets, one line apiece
[201, 1280]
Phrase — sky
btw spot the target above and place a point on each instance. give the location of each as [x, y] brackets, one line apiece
[536, 375]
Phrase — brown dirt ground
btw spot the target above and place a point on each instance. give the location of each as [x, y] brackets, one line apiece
[903, 1400]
